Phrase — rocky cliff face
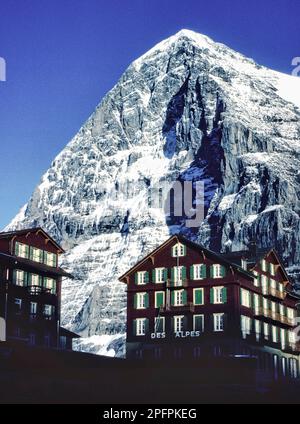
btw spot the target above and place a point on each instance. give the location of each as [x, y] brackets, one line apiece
[188, 110]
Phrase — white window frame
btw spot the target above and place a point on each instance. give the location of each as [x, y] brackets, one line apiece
[218, 323]
[272, 269]
[256, 302]
[246, 325]
[217, 271]
[178, 323]
[194, 322]
[18, 302]
[155, 298]
[194, 296]
[37, 255]
[178, 275]
[20, 278]
[33, 308]
[245, 298]
[48, 310]
[256, 280]
[274, 334]
[218, 295]
[163, 321]
[50, 259]
[141, 326]
[266, 330]
[197, 271]
[178, 297]
[264, 265]
[264, 284]
[50, 284]
[141, 300]
[141, 278]
[22, 250]
[178, 250]
[34, 280]
[159, 275]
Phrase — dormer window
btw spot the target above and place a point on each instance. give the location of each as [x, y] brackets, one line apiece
[178, 250]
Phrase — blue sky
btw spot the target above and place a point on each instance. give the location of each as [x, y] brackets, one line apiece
[63, 55]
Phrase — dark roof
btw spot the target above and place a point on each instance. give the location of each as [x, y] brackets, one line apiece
[68, 333]
[251, 256]
[35, 266]
[221, 258]
[10, 234]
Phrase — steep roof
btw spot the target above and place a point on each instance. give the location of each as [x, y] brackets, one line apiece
[221, 258]
[10, 234]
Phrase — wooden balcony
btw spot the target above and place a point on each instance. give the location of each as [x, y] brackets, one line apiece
[277, 294]
[38, 290]
[177, 284]
[274, 316]
[170, 309]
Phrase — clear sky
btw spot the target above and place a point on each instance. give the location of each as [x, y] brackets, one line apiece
[63, 55]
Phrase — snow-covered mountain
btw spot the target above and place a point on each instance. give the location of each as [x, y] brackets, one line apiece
[189, 109]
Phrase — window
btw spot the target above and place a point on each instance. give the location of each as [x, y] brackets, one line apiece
[178, 250]
[217, 271]
[18, 304]
[265, 305]
[179, 274]
[290, 314]
[218, 295]
[179, 297]
[36, 255]
[218, 322]
[159, 299]
[32, 339]
[49, 310]
[244, 264]
[272, 269]
[256, 303]
[140, 326]
[256, 279]
[282, 310]
[272, 284]
[274, 334]
[33, 308]
[20, 278]
[159, 325]
[198, 272]
[34, 280]
[245, 325]
[245, 298]
[198, 323]
[273, 309]
[160, 275]
[282, 338]
[198, 296]
[50, 284]
[50, 259]
[22, 250]
[178, 323]
[257, 326]
[141, 300]
[266, 331]
[142, 277]
[63, 342]
[264, 284]
[264, 265]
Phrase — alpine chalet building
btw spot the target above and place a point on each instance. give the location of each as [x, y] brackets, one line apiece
[30, 290]
[187, 302]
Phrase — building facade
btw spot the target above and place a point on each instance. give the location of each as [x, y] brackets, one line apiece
[187, 302]
[30, 290]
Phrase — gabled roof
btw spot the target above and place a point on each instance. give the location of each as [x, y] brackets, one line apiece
[221, 259]
[68, 333]
[11, 234]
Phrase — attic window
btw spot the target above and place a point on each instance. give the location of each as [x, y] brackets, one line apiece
[178, 250]
[244, 264]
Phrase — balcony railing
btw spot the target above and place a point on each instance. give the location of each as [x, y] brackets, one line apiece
[37, 290]
[275, 316]
[189, 307]
[177, 284]
[275, 293]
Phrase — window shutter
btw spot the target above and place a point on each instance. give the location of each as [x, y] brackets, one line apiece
[198, 323]
[212, 271]
[184, 250]
[136, 278]
[224, 294]
[29, 279]
[172, 276]
[165, 274]
[184, 297]
[172, 298]
[31, 253]
[147, 300]
[199, 296]
[135, 301]
[192, 272]
[203, 271]
[153, 275]
[159, 299]
[134, 327]
[146, 325]
[184, 273]
[173, 251]
[40, 280]
[14, 276]
[146, 277]
[223, 271]
[212, 295]
[225, 320]
[17, 249]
